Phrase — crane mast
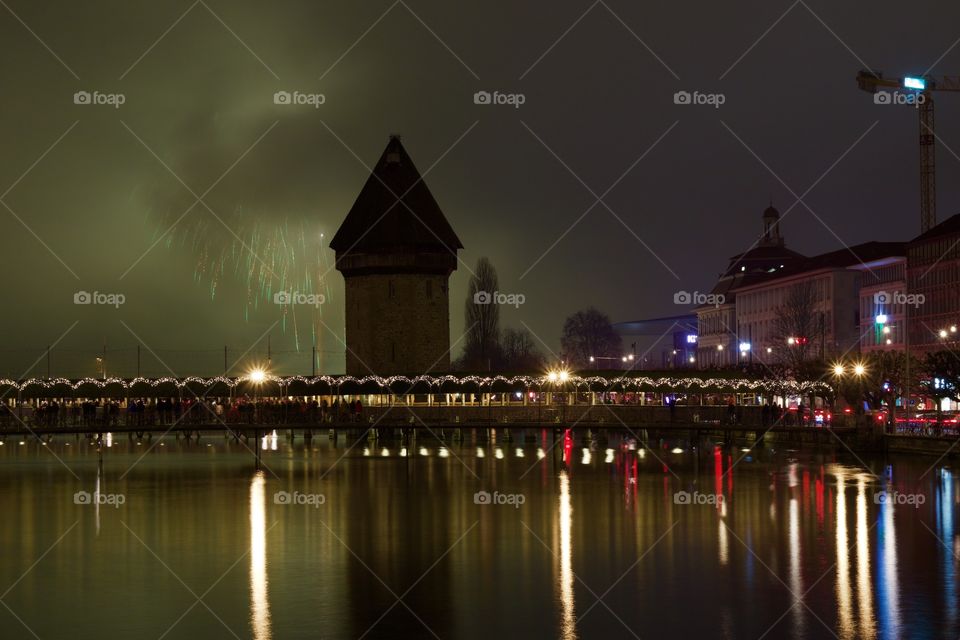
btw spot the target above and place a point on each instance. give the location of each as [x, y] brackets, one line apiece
[922, 89]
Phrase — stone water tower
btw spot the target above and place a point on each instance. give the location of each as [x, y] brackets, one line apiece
[396, 252]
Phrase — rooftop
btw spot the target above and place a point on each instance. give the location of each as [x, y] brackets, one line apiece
[395, 211]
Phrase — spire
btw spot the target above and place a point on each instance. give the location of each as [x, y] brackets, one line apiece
[380, 223]
[771, 228]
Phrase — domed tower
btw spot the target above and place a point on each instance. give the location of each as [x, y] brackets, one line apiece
[771, 228]
[396, 252]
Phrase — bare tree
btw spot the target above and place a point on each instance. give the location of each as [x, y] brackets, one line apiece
[798, 328]
[520, 352]
[482, 316]
[589, 333]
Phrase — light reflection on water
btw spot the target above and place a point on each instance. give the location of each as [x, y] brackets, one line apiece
[259, 602]
[864, 588]
[568, 627]
[862, 568]
[844, 597]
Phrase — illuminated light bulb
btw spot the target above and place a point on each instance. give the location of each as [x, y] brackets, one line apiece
[541, 454]
[519, 452]
[498, 453]
[641, 453]
[676, 450]
[481, 453]
[423, 451]
[586, 457]
[384, 452]
[443, 452]
[609, 456]
[403, 452]
[366, 451]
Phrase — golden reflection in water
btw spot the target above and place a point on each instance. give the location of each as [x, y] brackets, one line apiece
[844, 605]
[864, 590]
[96, 498]
[568, 622]
[796, 578]
[259, 605]
[724, 548]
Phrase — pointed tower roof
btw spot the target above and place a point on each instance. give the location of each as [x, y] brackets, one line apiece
[380, 223]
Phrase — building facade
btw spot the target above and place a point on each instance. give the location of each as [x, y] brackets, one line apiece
[883, 296]
[396, 251]
[933, 288]
[773, 305]
[718, 337]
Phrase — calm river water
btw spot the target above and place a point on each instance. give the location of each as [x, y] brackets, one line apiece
[176, 539]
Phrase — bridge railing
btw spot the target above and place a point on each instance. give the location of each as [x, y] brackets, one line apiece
[306, 414]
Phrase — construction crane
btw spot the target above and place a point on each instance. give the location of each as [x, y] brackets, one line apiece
[916, 91]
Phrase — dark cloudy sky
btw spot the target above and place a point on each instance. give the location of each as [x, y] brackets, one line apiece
[598, 79]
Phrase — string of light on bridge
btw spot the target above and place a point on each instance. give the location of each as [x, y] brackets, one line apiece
[550, 381]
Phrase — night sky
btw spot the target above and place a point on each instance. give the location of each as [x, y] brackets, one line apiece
[95, 187]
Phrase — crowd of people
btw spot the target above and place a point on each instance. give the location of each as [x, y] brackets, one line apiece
[187, 411]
